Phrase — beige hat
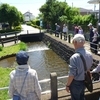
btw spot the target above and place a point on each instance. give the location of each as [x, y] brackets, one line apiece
[90, 24]
[79, 38]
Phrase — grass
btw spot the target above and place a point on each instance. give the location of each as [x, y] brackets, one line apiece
[4, 82]
[13, 49]
[4, 72]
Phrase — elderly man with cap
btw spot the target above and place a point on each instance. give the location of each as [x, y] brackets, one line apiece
[24, 80]
[75, 82]
[91, 36]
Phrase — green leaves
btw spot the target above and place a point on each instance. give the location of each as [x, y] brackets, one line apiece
[10, 14]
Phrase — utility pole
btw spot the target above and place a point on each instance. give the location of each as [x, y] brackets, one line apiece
[72, 4]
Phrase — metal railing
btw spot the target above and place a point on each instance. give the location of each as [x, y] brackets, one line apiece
[48, 80]
[69, 36]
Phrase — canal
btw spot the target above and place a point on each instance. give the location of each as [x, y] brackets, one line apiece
[44, 61]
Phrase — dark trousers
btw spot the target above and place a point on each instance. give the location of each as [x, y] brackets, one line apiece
[57, 33]
[77, 90]
[65, 35]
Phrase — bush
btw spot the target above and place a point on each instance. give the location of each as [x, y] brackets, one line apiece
[18, 28]
[28, 23]
[8, 30]
[38, 22]
[1, 48]
[23, 46]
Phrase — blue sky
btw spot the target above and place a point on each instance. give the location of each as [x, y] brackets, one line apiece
[34, 5]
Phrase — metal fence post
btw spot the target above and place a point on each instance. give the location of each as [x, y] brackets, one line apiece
[69, 38]
[60, 35]
[54, 92]
[27, 32]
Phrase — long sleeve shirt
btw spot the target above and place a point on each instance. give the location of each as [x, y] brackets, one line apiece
[31, 89]
[76, 67]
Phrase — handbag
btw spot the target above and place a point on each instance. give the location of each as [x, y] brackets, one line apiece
[88, 80]
[18, 97]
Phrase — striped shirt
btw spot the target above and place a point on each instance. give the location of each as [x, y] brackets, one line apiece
[31, 89]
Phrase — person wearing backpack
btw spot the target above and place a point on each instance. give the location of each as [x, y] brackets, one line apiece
[76, 76]
[24, 80]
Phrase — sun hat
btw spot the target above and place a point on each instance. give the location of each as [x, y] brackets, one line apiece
[79, 38]
[22, 57]
[90, 24]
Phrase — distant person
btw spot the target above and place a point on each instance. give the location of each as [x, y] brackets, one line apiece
[65, 31]
[95, 40]
[57, 29]
[31, 89]
[80, 30]
[96, 72]
[76, 29]
[91, 36]
[75, 82]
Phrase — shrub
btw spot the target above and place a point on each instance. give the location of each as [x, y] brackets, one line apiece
[1, 48]
[28, 23]
[23, 46]
[38, 22]
[8, 30]
[18, 28]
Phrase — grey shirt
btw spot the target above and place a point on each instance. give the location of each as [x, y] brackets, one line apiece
[76, 67]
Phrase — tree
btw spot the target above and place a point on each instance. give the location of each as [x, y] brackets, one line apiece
[55, 12]
[10, 14]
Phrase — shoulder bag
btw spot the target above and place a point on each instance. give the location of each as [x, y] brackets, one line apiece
[88, 80]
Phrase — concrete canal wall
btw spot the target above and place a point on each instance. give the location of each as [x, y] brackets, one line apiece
[65, 50]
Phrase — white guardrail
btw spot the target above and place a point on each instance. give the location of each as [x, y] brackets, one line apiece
[48, 80]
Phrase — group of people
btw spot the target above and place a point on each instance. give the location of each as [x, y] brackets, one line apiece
[64, 30]
[78, 30]
[75, 82]
[93, 38]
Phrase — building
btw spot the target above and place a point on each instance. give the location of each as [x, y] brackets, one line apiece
[28, 16]
[84, 11]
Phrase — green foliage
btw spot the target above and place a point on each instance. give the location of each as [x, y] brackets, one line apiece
[4, 82]
[22, 46]
[35, 22]
[4, 95]
[1, 48]
[4, 75]
[28, 23]
[85, 20]
[38, 22]
[11, 15]
[13, 49]
[9, 30]
[54, 11]
[18, 28]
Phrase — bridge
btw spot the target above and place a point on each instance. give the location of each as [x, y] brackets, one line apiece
[61, 94]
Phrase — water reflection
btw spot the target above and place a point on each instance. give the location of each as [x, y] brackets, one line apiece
[43, 60]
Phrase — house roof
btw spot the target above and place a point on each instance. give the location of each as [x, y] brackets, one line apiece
[85, 10]
[27, 12]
